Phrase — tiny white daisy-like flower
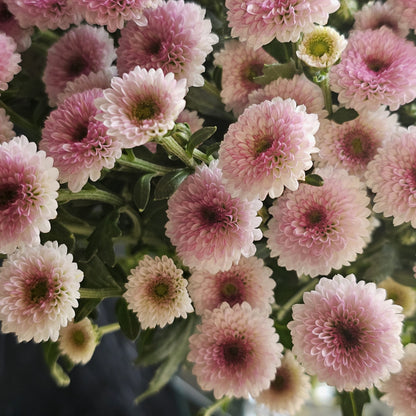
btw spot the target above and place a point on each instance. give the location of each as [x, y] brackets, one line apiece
[39, 288]
[322, 47]
[290, 388]
[247, 281]
[6, 127]
[78, 340]
[235, 351]
[268, 148]
[141, 105]
[402, 295]
[156, 292]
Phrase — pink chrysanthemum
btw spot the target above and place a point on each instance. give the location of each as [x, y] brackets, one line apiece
[377, 68]
[114, 14]
[258, 22]
[39, 288]
[28, 192]
[353, 144]
[299, 88]
[141, 105]
[400, 388]
[347, 333]
[9, 61]
[392, 177]
[6, 127]
[77, 142]
[209, 228]
[156, 292]
[316, 229]
[192, 119]
[268, 148]
[406, 10]
[101, 79]
[176, 39]
[290, 388]
[236, 351]
[375, 15]
[45, 14]
[82, 50]
[10, 27]
[247, 281]
[240, 65]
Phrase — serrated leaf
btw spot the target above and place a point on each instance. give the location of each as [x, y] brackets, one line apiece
[168, 183]
[275, 71]
[127, 320]
[96, 274]
[199, 137]
[141, 191]
[344, 114]
[51, 354]
[314, 180]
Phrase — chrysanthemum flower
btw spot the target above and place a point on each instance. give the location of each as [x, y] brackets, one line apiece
[141, 105]
[258, 22]
[156, 292]
[377, 68]
[406, 10]
[78, 340]
[45, 14]
[247, 281]
[400, 388]
[28, 192]
[81, 50]
[404, 296]
[299, 88]
[9, 61]
[268, 148]
[176, 39]
[39, 288]
[77, 142]
[353, 144]
[322, 47]
[240, 65]
[316, 229]
[236, 351]
[347, 333]
[114, 14]
[6, 127]
[192, 119]
[290, 388]
[391, 175]
[209, 228]
[375, 15]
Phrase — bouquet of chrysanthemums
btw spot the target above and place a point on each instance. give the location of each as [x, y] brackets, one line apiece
[240, 174]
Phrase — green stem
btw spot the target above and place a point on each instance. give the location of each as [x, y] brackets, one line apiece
[353, 405]
[324, 84]
[142, 165]
[65, 196]
[211, 409]
[107, 329]
[174, 148]
[89, 293]
[202, 156]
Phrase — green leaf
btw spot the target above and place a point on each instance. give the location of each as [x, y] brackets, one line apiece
[96, 274]
[314, 180]
[141, 191]
[85, 307]
[127, 320]
[168, 183]
[169, 367]
[344, 114]
[199, 137]
[278, 50]
[381, 264]
[275, 71]
[360, 397]
[59, 233]
[51, 354]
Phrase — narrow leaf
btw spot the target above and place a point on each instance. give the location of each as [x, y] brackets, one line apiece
[275, 71]
[314, 180]
[344, 114]
[199, 137]
[168, 183]
[51, 354]
[127, 320]
[141, 191]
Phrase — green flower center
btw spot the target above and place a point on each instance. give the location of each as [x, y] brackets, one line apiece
[357, 146]
[262, 145]
[145, 110]
[78, 337]
[39, 291]
[161, 290]
[320, 46]
[229, 289]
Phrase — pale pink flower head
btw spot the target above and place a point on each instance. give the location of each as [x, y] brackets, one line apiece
[80, 51]
[28, 192]
[176, 39]
[156, 292]
[192, 119]
[377, 68]
[39, 288]
[9, 61]
[240, 65]
[246, 281]
[209, 228]
[347, 333]
[141, 105]
[316, 229]
[235, 351]
[299, 88]
[375, 15]
[400, 389]
[6, 127]
[391, 175]
[268, 148]
[259, 22]
[353, 144]
[45, 14]
[114, 14]
[77, 141]
[406, 10]
[289, 389]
